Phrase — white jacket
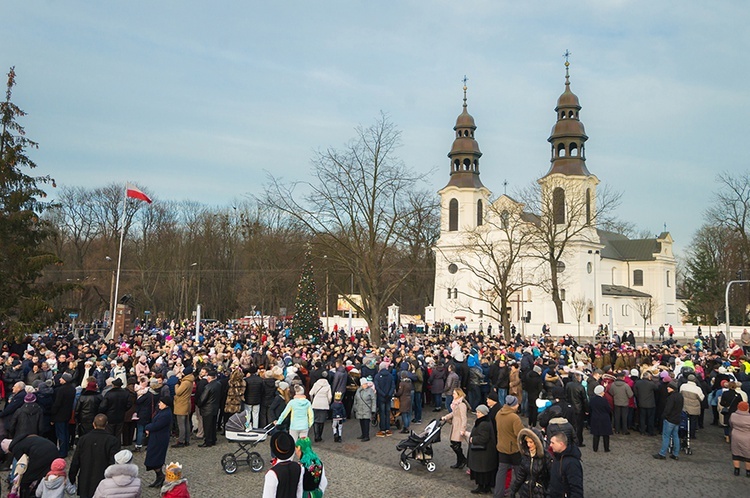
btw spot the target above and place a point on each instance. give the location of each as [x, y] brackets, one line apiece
[321, 395]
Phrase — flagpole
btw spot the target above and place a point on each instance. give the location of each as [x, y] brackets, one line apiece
[119, 260]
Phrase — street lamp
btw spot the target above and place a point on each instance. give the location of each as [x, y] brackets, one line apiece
[591, 267]
[111, 293]
[325, 258]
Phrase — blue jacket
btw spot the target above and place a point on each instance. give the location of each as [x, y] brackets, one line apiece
[384, 384]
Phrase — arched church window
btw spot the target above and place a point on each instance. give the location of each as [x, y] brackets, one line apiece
[588, 206]
[637, 278]
[573, 149]
[669, 282]
[570, 114]
[561, 150]
[479, 213]
[562, 115]
[558, 206]
[456, 164]
[504, 219]
[453, 215]
[467, 164]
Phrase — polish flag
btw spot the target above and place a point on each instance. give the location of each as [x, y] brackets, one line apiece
[137, 193]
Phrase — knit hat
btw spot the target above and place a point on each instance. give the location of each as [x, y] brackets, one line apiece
[634, 373]
[667, 379]
[511, 400]
[493, 397]
[57, 468]
[363, 381]
[282, 445]
[483, 409]
[29, 398]
[599, 390]
[691, 378]
[122, 457]
[674, 385]
[91, 386]
[538, 369]
[743, 406]
[117, 382]
[174, 472]
[283, 385]
[167, 400]
[67, 377]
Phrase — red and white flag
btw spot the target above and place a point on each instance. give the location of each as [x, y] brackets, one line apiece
[136, 193]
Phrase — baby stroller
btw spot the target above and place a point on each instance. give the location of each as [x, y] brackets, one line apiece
[419, 446]
[239, 430]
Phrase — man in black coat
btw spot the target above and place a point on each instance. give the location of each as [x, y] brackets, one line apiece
[62, 410]
[576, 395]
[41, 452]
[672, 415]
[253, 394]
[94, 453]
[15, 401]
[645, 394]
[114, 405]
[566, 471]
[209, 408]
[29, 419]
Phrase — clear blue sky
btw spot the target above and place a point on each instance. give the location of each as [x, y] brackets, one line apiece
[198, 100]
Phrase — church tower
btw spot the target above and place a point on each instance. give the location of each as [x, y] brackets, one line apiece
[568, 188]
[464, 199]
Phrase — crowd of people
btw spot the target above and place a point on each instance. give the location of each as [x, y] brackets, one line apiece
[159, 390]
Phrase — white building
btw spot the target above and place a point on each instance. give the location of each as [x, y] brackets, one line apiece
[611, 274]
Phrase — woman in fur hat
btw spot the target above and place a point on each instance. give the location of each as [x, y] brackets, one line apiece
[531, 478]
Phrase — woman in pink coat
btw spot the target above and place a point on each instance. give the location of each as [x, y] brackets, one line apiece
[458, 420]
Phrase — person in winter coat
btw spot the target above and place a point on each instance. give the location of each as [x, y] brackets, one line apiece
[531, 478]
[210, 403]
[87, 408]
[482, 454]
[384, 387]
[114, 405]
[621, 395]
[55, 484]
[452, 382]
[278, 403]
[321, 396]
[253, 394]
[645, 394]
[514, 383]
[404, 394]
[120, 479]
[672, 415]
[508, 425]
[458, 419]
[740, 425]
[28, 419]
[269, 393]
[235, 394]
[576, 395]
[62, 410]
[158, 432]
[300, 412]
[175, 485]
[94, 452]
[533, 387]
[364, 407]
[600, 422]
[437, 386]
[566, 471]
[145, 407]
[693, 396]
[182, 393]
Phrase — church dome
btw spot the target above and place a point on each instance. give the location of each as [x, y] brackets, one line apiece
[465, 120]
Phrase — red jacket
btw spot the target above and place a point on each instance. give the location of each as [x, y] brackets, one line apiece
[179, 491]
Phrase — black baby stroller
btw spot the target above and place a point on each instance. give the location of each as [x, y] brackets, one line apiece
[419, 446]
[239, 430]
[684, 432]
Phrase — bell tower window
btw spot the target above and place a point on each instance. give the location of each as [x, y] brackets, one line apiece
[453, 215]
[558, 206]
[479, 213]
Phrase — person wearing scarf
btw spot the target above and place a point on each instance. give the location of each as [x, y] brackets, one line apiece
[314, 480]
[458, 419]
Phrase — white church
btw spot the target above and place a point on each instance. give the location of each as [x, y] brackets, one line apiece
[603, 277]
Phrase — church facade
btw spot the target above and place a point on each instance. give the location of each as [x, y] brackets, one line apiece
[495, 254]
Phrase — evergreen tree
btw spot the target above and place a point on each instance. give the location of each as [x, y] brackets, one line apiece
[705, 286]
[23, 300]
[306, 322]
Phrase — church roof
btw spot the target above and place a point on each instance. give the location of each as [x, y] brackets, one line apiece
[621, 248]
[621, 291]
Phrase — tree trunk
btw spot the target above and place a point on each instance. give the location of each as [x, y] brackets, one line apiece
[504, 317]
[556, 292]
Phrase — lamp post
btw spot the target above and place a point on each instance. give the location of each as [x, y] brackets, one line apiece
[726, 304]
[594, 253]
[111, 294]
[325, 258]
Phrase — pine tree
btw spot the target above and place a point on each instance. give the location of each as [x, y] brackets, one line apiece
[23, 300]
[306, 323]
[705, 286]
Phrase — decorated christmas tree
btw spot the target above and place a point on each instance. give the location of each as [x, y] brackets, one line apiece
[306, 322]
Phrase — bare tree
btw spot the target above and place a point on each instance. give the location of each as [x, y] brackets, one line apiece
[356, 209]
[493, 255]
[646, 308]
[563, 220]
[732, 208]
[580, 305]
